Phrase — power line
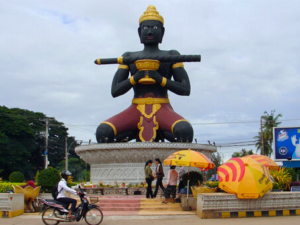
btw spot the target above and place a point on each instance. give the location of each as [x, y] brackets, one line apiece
[204, 123]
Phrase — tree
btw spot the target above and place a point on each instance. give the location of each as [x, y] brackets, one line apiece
[268, 122]
[217, 160]
[76, 167]
[22, 145]
[258, 144]
[242, 153]
[16, 143]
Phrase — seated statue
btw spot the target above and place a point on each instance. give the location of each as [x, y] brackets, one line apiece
[150, 117]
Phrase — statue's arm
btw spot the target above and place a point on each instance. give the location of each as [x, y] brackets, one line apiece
[181, 84]
[121, 84]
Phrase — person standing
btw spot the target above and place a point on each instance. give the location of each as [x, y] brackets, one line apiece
[149, 178]
[171, 182]
[180, 174]
[159, 174]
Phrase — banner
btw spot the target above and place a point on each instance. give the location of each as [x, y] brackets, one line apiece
[286, 142]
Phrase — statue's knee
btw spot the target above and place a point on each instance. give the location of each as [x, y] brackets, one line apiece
[183, 131]
[105, 133]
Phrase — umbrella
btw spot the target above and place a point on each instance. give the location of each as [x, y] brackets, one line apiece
[266, 161]
[245, 177]
[189, 158]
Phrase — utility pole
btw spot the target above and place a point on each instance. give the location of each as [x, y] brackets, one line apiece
[46, 120]
[262, 152]
[46, 144]
[66, 152]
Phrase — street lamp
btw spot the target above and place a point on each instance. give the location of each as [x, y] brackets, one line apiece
[67, 152]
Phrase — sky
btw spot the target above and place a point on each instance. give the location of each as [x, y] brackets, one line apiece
[250, 53]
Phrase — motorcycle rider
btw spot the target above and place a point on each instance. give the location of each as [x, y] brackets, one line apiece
[62, 187]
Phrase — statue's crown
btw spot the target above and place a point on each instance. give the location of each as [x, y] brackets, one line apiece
[151, 14]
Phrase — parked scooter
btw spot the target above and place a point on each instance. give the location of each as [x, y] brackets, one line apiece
[54, 212]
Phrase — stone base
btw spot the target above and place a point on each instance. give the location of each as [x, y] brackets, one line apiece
[125, 172]
[11, 205]
[192, 202]
[223, 205]
[125, 162]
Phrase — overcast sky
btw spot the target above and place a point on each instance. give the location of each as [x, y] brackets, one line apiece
[250, 61]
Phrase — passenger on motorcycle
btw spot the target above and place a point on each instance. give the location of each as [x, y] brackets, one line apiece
[62, 187]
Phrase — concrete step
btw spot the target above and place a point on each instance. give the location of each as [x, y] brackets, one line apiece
[108, 204]
[120, 208]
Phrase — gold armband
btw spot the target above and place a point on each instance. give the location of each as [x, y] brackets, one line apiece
[177, 65]
[163, 82]
[132, 81]
[123, 67]
[120, 60]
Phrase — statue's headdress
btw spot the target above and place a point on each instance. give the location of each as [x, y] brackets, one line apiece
[151, 14]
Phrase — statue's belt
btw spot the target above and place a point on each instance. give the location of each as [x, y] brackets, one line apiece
[149, 101]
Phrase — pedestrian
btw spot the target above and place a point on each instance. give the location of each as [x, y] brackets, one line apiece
[180, 174]
[149, 178]
[159, 174]
[171, 185]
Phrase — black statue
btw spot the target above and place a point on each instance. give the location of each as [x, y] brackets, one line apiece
[150, 116]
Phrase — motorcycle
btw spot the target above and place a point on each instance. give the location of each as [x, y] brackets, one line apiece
[54, 212]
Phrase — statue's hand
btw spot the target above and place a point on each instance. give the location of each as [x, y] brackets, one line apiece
[139, 75]
[155, 75]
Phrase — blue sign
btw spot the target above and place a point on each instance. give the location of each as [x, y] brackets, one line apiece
[287, 142]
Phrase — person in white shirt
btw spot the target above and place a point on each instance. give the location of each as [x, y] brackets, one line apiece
[171, 182]
[62, 187]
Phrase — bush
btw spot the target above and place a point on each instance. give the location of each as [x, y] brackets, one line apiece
[8, 186]
[275, 185]
[212, 184]
[16, 177]
[194, 176]
[282, 177]
[47, 178]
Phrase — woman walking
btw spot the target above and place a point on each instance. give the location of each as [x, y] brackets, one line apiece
[159, 174]
[149, 178]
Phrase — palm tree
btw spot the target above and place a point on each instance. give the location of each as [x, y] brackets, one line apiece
[268, 122]
[267, 148]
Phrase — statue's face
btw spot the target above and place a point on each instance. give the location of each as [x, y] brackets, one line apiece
[151, 32]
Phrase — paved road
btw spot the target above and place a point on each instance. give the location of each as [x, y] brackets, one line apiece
[163, 220]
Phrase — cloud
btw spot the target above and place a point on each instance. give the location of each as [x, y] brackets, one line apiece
[250, 53]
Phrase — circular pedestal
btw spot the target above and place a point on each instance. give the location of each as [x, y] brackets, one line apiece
[125, 162]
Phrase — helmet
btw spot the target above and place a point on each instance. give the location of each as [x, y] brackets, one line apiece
[65, 173]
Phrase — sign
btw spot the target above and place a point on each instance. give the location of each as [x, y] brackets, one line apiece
[286, 142]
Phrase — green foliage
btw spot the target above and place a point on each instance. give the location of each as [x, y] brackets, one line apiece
[268, 122]
[49, 177]
[194, 177]
[292, 172]
[77, 167]
[217, 160]
[282, 178]
[275, 185]
[212, 184]
[87, 175]
[16, 177]
[8, 186]
[22, 145]
[242, 153]
[37, 176]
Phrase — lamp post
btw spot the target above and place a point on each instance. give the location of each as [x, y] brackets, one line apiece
[67, 152]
